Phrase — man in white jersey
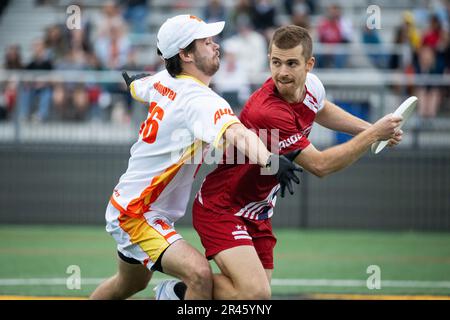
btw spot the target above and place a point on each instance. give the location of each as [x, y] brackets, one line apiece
[153, 193]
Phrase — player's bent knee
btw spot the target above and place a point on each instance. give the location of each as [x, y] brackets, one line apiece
[200, 276]
[255, 292]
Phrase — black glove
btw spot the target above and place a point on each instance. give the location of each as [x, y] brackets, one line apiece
[292, 155]
[285, 173]
[129, 80]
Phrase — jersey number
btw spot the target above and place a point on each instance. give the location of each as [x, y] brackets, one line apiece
[149, 128]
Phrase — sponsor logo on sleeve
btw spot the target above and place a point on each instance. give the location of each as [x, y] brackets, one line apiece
[165, 91]
[221, 112]
[289, 141]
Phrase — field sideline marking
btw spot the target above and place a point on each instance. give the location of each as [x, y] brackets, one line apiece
[275, 282]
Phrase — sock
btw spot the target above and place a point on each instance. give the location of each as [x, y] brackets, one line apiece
[180, 289]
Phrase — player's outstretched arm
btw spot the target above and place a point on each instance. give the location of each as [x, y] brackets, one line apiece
[322, 163]
[335, 118]
[249, 144]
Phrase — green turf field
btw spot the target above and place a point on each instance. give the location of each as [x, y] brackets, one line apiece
[34, 260]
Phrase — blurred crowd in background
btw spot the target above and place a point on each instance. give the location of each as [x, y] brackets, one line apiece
[106, 44]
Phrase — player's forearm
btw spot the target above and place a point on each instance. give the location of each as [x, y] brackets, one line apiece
[351, 125]
[343, 155]
[248, 143]
[337, 119]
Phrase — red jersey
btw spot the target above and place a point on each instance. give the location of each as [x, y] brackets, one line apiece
[432, 38]
[241, 189]
[330, 32]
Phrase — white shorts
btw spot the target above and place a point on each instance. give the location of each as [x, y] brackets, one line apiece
[143, 239]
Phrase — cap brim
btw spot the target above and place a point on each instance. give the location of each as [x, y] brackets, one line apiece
[210, 30]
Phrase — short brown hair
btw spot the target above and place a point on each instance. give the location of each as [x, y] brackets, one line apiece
[289, 37]
[173, 65]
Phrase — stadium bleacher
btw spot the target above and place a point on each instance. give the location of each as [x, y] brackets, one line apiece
[22, 22]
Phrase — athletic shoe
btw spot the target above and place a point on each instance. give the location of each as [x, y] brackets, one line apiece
[164, 290]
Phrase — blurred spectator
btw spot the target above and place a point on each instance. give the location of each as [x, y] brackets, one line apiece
[407, 35]
[436, 38]
[300, 11]
[113, 51]
[55, 42]
[136, 13]
[72, 102]
[8, 96]
[371, 37]
[8, 99]
[77, 101]
[429, 95]
[39, 91]
[109, 18]
[252, 49]
[113, 48]
[231, 80]
[75, 59]
[411, 30]
[214, 11]
[264, 15]
[70, 99]
[334, 29]
[294, 5]
[243, 10]
[79, 40]
[13, 58]
[87, 24]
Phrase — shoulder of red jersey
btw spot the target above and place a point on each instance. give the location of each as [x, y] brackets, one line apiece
[315, 88]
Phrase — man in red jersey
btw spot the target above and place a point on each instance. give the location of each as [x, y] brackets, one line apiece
[232, 210]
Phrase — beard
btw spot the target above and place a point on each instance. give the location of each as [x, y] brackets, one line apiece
[289, 89]
[206, 65]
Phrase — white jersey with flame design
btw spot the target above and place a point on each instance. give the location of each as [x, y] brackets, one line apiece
[183, 113]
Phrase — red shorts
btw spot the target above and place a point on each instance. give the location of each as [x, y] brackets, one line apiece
[219, 232]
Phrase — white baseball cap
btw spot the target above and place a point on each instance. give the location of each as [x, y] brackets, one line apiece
[178, 32]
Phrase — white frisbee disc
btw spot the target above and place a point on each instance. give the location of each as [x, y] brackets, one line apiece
[405, 110]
